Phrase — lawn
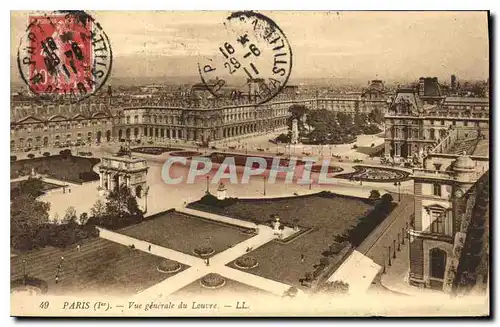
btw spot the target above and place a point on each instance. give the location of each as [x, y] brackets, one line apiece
[46, 186]
[183, 233]
[327, 214]
[71, 169]
[100, 267]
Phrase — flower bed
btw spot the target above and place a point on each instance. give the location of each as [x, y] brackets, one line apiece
[246, 262]
[331, 169]
[186, 154]
[154, 150]
[169, 266]
[376, 174]
[204, 251]
[213, 281]
[29, 284]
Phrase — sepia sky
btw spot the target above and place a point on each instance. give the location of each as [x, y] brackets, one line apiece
[354, 45]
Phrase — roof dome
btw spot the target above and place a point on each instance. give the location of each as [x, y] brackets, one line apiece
[464, 162]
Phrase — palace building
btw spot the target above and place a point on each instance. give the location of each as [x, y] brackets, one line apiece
[194, 116]
[418, 119]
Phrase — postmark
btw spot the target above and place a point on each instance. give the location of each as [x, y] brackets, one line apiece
[254, 61]
[64, 54]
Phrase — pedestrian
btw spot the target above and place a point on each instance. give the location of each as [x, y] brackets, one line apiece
[62, 258]
[57, 279]
[78, 247]
[302, 257]
[149, 248]
[69, 190]
[59, 267]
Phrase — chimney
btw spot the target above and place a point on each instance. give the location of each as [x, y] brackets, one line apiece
[421, 84]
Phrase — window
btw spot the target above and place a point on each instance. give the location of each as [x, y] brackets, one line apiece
[442, 122]
[436, 190]
[437, 225]
[437, 166]
[454, 123]
[466, 123]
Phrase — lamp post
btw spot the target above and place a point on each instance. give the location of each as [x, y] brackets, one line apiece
[24, 271]
[394, 250]
[208, 184]
[403, 235]
[390, 262]
[398, 184]
[264, 185]
[399, 244]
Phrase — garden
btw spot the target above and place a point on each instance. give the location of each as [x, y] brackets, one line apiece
[376, 174]
[154, 150]
[241, 159]
[99, 267]
[188, 234]
[62, 167]
[185, 154]
[331, 219]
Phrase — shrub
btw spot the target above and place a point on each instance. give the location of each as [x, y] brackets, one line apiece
[211, 200]
[31, 155]
[213, 281]
[374, 195]
[335, 287]
[355, 146]
[246, 261]
[291, 292]
[65, 153]
[386, 198]
[169, 266]
[13, 158]
[372, 145]
[46, 154]
[204, 251]
[88, 176]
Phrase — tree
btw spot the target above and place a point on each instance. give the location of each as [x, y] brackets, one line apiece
[31, 155]
[27, 214]
[69, 215]
[98, 210]
[374, 195]
[120, 201]
[46, 154]
[376, 115]
[84, 217]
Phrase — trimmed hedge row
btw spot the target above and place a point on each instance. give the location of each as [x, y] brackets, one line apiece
[367, 224]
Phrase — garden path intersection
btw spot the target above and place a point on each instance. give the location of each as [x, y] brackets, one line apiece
[198, 268]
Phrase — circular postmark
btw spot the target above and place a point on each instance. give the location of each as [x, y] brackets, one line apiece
[64, 54]
[254, 61]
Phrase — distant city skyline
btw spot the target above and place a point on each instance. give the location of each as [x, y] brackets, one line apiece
[392, 46]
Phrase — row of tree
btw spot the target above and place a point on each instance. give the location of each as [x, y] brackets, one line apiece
[328, 127]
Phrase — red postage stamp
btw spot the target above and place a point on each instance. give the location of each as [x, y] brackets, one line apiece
[64, 54]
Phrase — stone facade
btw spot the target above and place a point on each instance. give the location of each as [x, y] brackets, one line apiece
[193, 117]
[439, 187]
[413, 127]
